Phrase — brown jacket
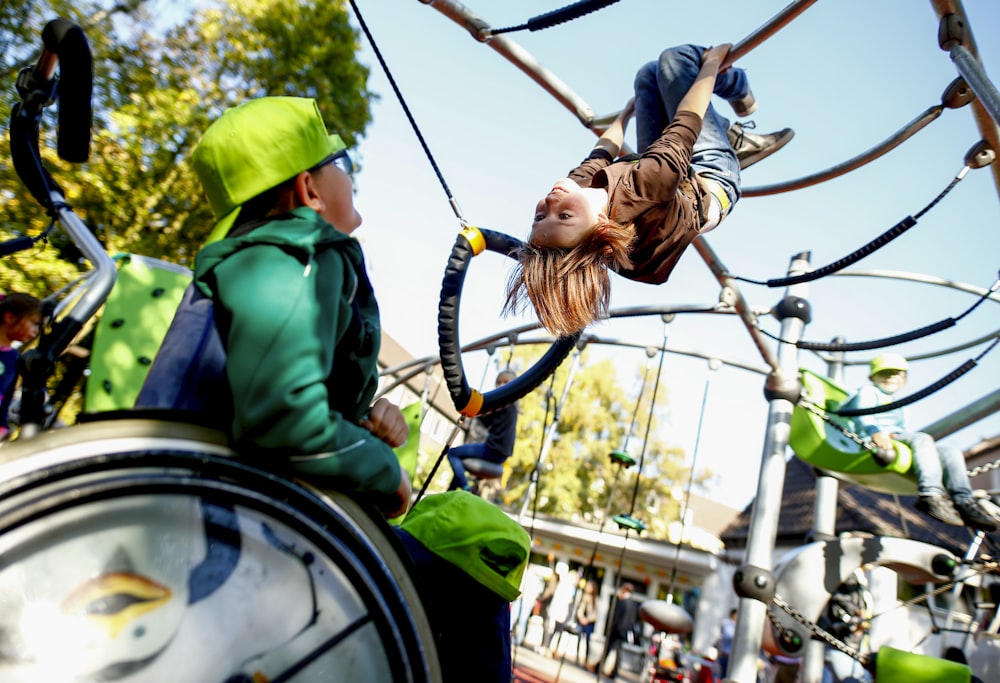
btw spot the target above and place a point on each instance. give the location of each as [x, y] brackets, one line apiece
[657, 194]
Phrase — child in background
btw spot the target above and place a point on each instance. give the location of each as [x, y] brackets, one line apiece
[638, 217]
[501, 428]
[943, 487]
[20, 319]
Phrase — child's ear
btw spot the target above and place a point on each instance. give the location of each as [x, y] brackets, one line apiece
[307, 193]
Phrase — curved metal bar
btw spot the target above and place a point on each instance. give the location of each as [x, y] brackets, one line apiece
[778, 21]
[890, 143]
[738, 302]
[987, 126]
[513, 333]
[516, 55]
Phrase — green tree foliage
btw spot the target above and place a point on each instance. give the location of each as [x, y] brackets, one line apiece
[576, 475]
[156, 89]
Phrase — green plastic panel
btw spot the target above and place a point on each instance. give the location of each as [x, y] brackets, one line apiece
[899, 666]
[826, 447]
[408, 452]
[131, 327]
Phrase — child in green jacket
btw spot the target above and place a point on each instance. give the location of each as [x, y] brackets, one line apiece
[298, 329]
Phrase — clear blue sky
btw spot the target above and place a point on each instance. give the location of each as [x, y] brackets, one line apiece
[845, 75]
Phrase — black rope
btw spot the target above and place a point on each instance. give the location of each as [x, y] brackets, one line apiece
[16, 244]
[406, 110]
[556, 17]
[638, 400]
[690, 484]
[923, 393]
[887, 341]
[649, 422]
[876, 244]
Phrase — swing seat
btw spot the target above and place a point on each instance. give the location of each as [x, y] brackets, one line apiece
[483, 469]
[898, 666]
[825, 446]
[128, 335]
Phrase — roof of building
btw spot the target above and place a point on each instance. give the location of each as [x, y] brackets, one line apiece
[858, 509]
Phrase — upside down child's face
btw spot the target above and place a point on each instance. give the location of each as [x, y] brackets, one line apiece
[567, 215]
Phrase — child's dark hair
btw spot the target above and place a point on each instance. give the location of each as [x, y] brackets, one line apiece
[19, 305]
[569, 288]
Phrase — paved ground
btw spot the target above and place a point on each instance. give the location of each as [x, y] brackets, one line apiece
[532, 667]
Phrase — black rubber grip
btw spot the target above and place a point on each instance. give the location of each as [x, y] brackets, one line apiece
[76, 76]
[450, 347]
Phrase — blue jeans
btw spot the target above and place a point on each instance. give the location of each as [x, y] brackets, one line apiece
[659, 88]
[471, 623]
[939, 468]
[842, 668]
[470, 450]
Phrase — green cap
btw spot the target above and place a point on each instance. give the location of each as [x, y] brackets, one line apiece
[256, 146]
[886, 361]
[475, 536]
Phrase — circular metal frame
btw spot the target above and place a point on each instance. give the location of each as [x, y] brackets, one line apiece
[469, 402]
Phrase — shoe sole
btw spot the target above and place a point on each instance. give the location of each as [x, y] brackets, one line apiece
[765, 152]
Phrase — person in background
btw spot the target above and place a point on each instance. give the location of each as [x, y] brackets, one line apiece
[586, 616]
[725, 642]
[501, 430]
[943, 487]
[20, 320]
[623, 628]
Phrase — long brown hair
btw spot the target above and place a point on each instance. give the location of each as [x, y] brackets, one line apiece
[569, 288]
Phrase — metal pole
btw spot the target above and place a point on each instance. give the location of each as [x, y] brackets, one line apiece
[973, 73]
[824, 525]
[734, 298]
[781, 390]
[987, 125]
[970, 414]
[776, 22]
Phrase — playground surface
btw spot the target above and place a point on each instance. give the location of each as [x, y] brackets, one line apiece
[532, 667]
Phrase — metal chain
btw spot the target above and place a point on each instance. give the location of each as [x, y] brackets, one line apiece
[823, 415]
[982, 567]
[988, 467]
[814, 629]
[867, 444]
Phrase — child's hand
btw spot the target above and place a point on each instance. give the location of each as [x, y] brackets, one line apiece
[715, 55]
[883, 440]
[386, 422]
[400, 502]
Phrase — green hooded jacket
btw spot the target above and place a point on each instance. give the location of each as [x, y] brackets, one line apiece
[300, 324]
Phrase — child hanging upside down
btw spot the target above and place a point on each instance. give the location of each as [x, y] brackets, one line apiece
[638, 216]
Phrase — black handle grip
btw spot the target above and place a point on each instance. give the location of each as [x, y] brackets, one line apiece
[76, 77]
[64, 43]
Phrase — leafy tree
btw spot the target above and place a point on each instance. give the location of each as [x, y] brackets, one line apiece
[156, 89]
[576, 475]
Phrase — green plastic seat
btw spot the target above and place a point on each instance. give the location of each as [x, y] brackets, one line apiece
[824, 446]
[899, 666]
[619, 457]
[629, 522]
[130, 330]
